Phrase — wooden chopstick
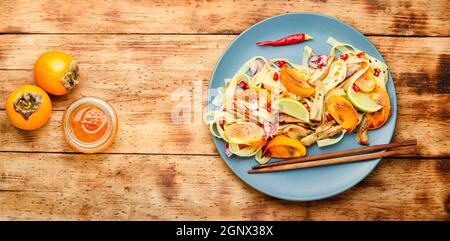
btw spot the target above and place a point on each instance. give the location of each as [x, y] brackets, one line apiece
[325, 162]
[338, 153]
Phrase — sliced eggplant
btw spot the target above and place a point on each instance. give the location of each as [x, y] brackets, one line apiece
[312, 138]
[362, 133]
[296, 131]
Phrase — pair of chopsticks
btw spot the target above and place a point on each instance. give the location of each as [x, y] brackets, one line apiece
[332, 158]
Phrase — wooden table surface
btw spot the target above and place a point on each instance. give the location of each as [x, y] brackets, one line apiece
[135, 54]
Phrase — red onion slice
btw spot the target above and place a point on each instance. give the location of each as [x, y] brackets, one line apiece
[227, 150]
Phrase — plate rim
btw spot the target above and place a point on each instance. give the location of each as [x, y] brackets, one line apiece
[316, 197]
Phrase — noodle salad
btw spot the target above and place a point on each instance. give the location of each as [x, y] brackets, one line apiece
[277, 108]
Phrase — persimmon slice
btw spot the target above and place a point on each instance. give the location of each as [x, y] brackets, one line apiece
[343, 112]
[282, 146]
[366, 82]
[377, 119]
[295, 83]
[246, 133]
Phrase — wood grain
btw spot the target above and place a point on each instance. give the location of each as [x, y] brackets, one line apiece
[123, 187]
[138, 74]
[413, 17]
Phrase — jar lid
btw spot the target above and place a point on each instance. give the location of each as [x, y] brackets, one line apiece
[101, 143]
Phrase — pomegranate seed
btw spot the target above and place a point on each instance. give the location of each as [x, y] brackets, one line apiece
[320, 66]
[360, 54]
[268, 107]
[281, 63]
[243, 85]
[355, 88]
[275, 76]
[221, 122]
[307, 106]
[344, 56]
[329, 117]
[262, 86]
[376, 72]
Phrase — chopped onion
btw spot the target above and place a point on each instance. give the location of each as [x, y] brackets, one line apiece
[217, 101]
[256, 66]
[330, 141]
[227, 150]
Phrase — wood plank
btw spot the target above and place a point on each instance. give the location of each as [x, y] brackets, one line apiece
[139, 85]
[159, 62]
[414, 17]
[130, 187]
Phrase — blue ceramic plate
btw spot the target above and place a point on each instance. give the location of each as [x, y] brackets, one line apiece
[313, 183]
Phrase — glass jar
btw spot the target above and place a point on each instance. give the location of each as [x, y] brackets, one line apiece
[90, 125]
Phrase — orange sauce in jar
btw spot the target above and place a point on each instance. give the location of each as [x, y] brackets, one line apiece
[90, 125]
[88, 122]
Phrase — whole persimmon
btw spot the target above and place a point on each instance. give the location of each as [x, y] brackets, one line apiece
[28, 107]
[56, 72]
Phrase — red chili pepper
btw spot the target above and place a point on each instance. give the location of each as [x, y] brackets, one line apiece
[291, 39]
[221, 122]
[262, 85]
[281, 63]
[243, 85]
[275, 76]
[355, 88]
[360, 54]
[329, 117]
[343, 56]
[376, 72]
[307, 106]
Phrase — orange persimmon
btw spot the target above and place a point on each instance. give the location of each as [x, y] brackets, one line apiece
[28, 107]
[56, 72]
[295, 83]
[282, 146]
[246, 133]
[377, 119]
[343, 112]
[366, 82]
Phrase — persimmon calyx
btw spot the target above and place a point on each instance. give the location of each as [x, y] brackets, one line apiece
[70, 79]
[27, 104]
